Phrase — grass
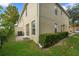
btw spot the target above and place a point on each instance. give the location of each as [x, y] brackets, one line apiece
[70, 47]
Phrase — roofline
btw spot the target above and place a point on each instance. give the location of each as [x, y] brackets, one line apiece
[25, 6]
[55, 3]
[62, 9]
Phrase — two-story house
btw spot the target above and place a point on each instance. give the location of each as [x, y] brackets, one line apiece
[39, 18]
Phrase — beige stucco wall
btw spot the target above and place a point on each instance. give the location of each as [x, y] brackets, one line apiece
[45, 19]
[32, 14]
[19, 26]
[48, 18]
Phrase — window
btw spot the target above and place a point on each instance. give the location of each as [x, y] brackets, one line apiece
[20, 33]
[27, 29]
[55, 28]
[63, 27]
[26, 9]
[56, 11]
[26, 12]
[61, 12]
[33, 27]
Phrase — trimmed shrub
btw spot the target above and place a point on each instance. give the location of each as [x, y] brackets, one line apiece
[49, 39]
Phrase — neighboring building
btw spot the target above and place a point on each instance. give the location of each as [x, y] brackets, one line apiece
[39, 18]
[75, 28]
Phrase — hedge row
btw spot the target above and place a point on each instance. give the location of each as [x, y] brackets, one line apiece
[47, 40]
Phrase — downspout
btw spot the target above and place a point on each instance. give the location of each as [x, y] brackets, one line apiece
[38, 24]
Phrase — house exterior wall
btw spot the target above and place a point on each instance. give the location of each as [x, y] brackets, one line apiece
[45, 19]
[32, 14]
[29, 15]
[20, 26]
[48, 18]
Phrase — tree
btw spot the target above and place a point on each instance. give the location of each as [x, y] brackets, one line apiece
[9, 18]
[74, 13]
[1, 32]
[3, 36]
[1, 8]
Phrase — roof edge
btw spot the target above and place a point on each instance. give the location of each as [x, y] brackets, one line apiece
[25, 6]
[62, 9]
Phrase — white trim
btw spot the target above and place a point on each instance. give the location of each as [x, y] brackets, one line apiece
[38, 21]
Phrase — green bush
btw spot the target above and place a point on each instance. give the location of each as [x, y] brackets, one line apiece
[3, 36]
[49, 39]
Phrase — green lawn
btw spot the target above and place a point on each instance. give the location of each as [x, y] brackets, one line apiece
[69, 47]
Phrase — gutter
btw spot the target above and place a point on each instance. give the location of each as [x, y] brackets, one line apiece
[62, 9]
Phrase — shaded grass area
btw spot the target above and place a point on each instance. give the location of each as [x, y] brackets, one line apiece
[69, 47]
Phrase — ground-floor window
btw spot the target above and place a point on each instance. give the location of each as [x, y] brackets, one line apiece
[27, 29]
[33, 27]
[62, 28]
[55, 26]
[55, 30]
[20, 33]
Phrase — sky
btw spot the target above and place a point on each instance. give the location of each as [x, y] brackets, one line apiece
[20, 5]
[65, 5]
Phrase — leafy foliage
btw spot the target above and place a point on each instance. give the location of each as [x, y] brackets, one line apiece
[74, 13]
[67, 47]
[1, 8]
[9, 18]
[47, 40]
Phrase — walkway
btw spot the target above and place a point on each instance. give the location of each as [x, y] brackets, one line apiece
[62, 41]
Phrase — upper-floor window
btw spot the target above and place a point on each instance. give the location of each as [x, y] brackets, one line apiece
[33, 27]
[26, 9]
[56, 11]
[61, 12]
[26, 12]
